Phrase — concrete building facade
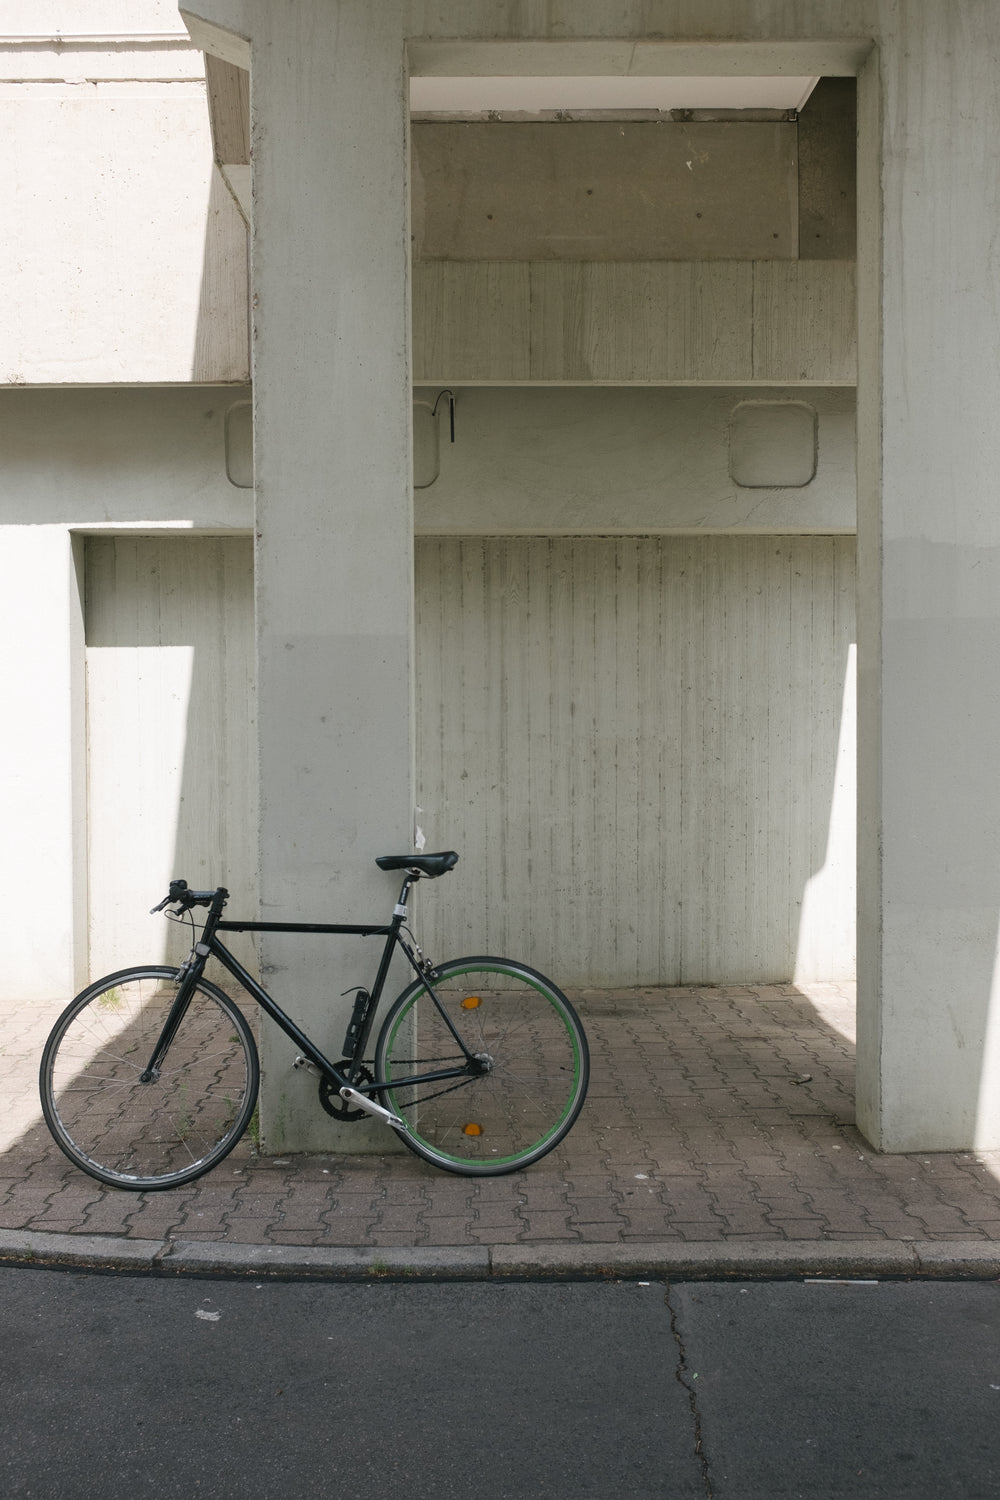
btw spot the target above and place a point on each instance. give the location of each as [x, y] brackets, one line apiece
[722, 372]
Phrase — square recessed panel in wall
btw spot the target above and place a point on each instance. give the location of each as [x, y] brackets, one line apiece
[772, 445]
[239, 445]
[426, 445]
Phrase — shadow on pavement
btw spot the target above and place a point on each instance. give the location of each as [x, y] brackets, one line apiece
[715, 1115]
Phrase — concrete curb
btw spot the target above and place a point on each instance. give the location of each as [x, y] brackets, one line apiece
[107, 1251]
[205, 1258]
[659, 1260]
[748, 1259]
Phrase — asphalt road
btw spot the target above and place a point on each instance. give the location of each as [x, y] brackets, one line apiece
[118, 1386]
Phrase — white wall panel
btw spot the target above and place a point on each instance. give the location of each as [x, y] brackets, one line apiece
[172, 748]
[634, 745]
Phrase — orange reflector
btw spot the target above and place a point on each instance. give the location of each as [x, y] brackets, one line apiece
[471, 1002]
[472, 1129]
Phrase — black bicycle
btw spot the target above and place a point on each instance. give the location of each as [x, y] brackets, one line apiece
[150, 1077]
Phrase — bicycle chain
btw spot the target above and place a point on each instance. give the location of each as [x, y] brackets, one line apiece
[341, 1110]
[418, 1062]
[331, 1101]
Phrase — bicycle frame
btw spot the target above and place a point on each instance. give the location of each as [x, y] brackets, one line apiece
[366, 1004]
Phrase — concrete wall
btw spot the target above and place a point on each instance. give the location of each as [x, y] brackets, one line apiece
[164, 602]
[129, 260]
[171, 745]
[530, 461]
[75, 462]
[95, 458]
[634, 322]
[329, 128]
[929, 299]
[644, 750]
[550, 461]
[42, 762]
[596, 190]
[635, 188]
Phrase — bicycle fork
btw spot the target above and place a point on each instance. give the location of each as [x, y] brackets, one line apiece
[190, 972]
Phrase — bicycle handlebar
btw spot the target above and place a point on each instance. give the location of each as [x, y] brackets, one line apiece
[181, 895]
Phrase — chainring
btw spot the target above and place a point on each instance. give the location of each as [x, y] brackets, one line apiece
[329, 1094]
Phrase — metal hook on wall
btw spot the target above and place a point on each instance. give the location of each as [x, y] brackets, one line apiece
[451, 409]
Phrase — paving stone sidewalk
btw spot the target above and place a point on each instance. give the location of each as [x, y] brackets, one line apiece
[717, 1117]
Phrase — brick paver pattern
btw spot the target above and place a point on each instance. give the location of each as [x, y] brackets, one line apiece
[714, 1114]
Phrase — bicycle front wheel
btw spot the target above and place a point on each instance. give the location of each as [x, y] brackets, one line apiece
[139, 1132]
[528, 1082]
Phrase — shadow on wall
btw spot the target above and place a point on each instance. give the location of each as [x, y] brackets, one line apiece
[171, 706]
[221, 349]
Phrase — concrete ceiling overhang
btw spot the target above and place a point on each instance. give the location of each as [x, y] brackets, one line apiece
[443, 95]
[541, 78]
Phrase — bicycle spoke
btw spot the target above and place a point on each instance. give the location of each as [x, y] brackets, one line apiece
[170, 1127]
[532, 1054]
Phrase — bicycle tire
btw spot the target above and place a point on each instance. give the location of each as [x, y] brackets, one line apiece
[148, 1136]
[539, 1066]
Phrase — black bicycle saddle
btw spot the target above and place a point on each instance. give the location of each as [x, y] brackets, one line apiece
[424, 864]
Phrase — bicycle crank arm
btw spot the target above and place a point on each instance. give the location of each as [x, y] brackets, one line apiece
[362, 1101]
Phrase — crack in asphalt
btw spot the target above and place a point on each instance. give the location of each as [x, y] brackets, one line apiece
[684, 1377]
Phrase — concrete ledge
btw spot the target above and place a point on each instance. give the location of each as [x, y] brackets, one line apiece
[420, 1262]
[108, 1251]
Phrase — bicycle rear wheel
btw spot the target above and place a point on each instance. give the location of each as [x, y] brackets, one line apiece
[172, 1128]
[534, 1066]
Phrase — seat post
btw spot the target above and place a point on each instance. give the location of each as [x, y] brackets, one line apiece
[404, 896]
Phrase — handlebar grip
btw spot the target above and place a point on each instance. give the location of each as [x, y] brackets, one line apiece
[184, 898]
[178, 891]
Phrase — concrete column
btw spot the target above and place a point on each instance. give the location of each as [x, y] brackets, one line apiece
[929, 580]
[331, 372]
[42, 765]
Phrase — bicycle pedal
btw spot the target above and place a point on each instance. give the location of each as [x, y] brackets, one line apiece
[303, 1062]
[362, 1101]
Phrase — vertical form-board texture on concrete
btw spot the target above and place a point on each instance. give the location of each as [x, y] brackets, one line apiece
[643, 748]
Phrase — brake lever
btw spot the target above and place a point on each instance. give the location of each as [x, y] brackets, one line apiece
[178, 890]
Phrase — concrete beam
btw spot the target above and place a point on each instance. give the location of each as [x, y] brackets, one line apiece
[579, 57]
